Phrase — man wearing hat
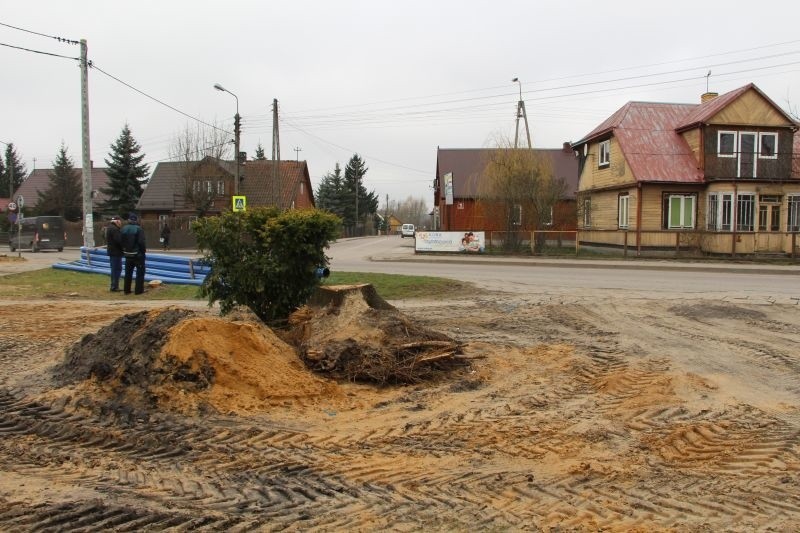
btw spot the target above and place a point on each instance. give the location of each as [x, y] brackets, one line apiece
[134, 249]
[114, 249]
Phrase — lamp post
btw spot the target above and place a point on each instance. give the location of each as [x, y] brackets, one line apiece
[219, 87]
[521, 113]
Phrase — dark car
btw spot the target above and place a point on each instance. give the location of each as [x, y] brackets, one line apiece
[38, 233]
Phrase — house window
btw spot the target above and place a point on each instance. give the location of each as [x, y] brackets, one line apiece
[220, 187]
[768, 145]
[587, 213]
[605, 153]
[516, 215]
[680, 211]
[209, 187]
[624, 203]
[196, 186]
[745, 211]
[719, 212]
[793, 223]
[726, 144]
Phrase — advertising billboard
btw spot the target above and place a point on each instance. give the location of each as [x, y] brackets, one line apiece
[450, 241]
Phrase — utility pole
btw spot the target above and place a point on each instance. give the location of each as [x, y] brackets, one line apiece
[88, 218]
[297, 153]
[236, 132]
[356, 177]
[276, 152]
[521, 114]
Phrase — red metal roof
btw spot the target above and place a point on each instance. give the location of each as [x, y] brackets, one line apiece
[649, 135]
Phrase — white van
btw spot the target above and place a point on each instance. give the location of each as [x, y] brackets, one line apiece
[407, 230]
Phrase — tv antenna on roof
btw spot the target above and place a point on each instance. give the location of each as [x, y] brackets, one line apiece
[707, 76]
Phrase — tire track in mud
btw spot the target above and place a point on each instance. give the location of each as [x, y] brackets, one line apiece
[634, 456]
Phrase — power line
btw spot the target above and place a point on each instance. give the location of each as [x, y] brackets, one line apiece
[353, 151]
[94, 66]
[59, 39]
[38, 51]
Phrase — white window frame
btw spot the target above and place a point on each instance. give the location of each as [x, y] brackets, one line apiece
[755, 154]
[763, 135]
[604, 149]
[793, 212]
[746, 223]
[623, 205]
[209, 187]
[683, 207]
[719, 211]
[220, 187]
[719, 143]
[197, 186]
[516, 214]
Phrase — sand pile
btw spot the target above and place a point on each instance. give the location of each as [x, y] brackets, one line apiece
[178, 360]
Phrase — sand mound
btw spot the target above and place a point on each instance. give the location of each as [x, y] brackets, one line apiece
[177, 360]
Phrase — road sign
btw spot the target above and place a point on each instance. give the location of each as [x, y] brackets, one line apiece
[239, 203]
[12, 206]
[20, 201]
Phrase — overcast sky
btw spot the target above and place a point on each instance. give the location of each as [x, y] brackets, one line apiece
[391, 81]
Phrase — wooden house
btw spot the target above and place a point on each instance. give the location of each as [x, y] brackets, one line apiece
[459, 173]
[719, 177]
[206, 187]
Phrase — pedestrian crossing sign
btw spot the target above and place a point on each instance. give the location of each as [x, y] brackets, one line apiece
[239, 203]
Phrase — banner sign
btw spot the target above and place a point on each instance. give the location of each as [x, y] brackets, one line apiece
[448, 188]
[239, 203]
[450, 241]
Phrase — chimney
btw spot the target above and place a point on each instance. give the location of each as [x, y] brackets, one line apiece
[707, 97]
[566, 147]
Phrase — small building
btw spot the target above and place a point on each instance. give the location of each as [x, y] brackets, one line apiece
[719, 177]
[461, 171]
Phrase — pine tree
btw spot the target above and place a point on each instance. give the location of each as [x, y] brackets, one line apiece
[64, 196]
[367, 202]
[331, 194]
[12, 160]
[126, 175]
[260, 153]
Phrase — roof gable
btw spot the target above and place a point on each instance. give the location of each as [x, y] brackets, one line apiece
[746, 105]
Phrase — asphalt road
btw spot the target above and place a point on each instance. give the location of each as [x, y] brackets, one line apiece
[539, 276]
[672, 279]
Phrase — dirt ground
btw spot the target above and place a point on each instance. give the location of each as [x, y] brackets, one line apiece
[597, 413]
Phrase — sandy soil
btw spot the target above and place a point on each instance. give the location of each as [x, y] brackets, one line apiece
[598, 413]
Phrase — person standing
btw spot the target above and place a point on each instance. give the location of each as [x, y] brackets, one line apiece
[165, 233]
[114, 250]
[134, 248]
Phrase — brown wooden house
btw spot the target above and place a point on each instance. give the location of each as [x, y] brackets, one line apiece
[719, 177]
[206, 187]
[462, 169]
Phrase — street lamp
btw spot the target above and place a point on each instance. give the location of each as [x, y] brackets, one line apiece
[219, 87]
[521, 114]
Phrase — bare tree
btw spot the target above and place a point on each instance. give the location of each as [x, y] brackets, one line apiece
[519, 187]
[189, 147]
[410, 211]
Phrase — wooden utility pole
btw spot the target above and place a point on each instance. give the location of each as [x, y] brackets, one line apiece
[276, 152]
[88, 219]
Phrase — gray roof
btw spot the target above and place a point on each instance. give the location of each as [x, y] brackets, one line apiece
[39, 180]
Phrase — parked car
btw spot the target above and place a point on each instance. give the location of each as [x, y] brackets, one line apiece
[407, 230]
[38, 233]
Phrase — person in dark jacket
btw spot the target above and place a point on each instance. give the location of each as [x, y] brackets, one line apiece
[165, 233]
[134, 249]
[114, 249]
